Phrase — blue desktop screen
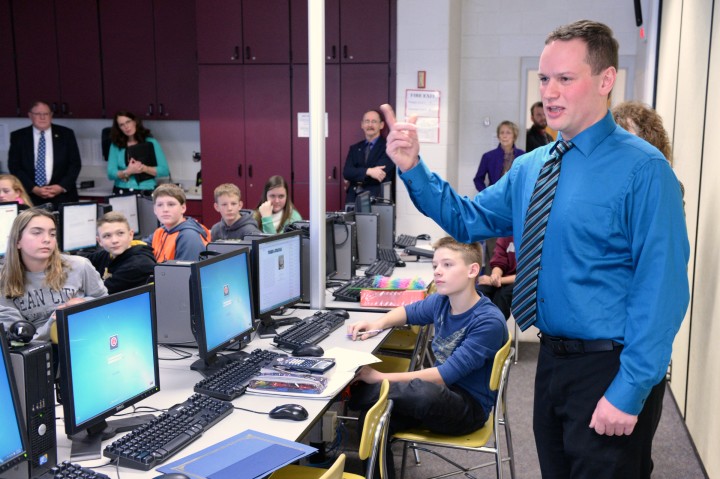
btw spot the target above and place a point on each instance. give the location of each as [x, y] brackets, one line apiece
[226, 303]
[10, 439]
[111, 355]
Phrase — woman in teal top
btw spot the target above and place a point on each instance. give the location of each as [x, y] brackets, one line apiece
[275, 210]
[129, 174]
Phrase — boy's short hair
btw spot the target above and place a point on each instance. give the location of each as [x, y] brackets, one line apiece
[470, 252]
[227, 189]
[169, 189]
[113, 217]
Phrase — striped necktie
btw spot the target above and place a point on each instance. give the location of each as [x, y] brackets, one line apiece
[40, 175]
[525, 289]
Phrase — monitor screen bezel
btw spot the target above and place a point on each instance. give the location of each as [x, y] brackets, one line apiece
[61, 225]
[109, 199]
[198, 314]
[66, 379]
[256, 273]
[17, 212]
[359, 199]
[15, 398]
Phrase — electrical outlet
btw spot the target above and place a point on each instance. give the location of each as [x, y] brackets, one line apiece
[329, 426]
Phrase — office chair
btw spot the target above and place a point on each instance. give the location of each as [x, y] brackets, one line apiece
[372, 444]
[406, 352]
[477, 441]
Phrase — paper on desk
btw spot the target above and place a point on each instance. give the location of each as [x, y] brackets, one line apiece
[248, 455]
[349, 359]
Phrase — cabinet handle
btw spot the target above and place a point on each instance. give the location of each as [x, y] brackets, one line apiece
[250, 171]
[161, 110]
[63, 108]
[334, 172]
[248, 54]
[236, 53]
[333, 53]
[345, 55]
[54, 107]
[150, 110]
[239, 171]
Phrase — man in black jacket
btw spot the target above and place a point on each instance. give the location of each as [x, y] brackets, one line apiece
[45, 157]
[536, 134]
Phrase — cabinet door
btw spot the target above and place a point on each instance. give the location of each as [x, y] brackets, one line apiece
[79, 59]
[222, 141]
[365, 31]
[219, 31]
[126, 29]
[363, 88]
[176, 69]
[266, 31]
[36, 52]
[267, 127]
[8, 86]
[299, 31]
[301, 154]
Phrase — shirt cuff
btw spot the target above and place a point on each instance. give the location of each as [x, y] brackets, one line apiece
[626, 397]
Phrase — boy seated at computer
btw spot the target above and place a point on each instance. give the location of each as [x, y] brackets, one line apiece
[123, 263]
[178, 237]
[453, 396]
[233, 223]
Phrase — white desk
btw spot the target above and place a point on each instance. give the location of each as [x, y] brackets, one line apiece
[177, 382]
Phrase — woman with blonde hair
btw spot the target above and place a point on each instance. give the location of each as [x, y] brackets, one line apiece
[37, 279]
[11, 189]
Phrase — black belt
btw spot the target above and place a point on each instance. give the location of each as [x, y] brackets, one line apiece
[564, 346]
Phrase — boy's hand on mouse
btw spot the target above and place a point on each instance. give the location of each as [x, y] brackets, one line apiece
[354, 330]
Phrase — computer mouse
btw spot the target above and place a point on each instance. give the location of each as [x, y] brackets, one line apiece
[400, 263]
[294, 412]
[172, 475]
[311, 350]
[424, 236]
[340, 312]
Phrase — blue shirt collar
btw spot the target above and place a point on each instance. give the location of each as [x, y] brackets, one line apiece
[587, 140]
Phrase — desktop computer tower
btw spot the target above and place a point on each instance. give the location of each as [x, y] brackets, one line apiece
[367, 237]
[172, 303]
[226, 246]
[386, 224]
[33, 368]
[345, 250]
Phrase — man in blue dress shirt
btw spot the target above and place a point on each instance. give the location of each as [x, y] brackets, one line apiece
[612, 288]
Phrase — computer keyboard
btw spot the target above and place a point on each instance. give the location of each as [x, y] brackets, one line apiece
[351, 291]
[387, 254]
[310, 331]
[68, 470]
[153, 443]
[230, 382]
[380, 267]
[403, 241]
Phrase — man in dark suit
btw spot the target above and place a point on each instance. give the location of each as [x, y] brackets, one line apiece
[536, 134]
[367, 165]
[45, 157]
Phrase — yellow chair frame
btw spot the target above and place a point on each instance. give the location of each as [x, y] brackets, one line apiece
[477, 441]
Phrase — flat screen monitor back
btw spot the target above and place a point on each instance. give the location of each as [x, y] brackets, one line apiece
[147, 220]
[386, 190]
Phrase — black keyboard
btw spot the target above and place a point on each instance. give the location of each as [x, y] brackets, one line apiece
[230, 381]
[71, 471]
[310, 331]
[380, 267]
[351, 291]
[153, 443]
[387, 254]
[403, 241]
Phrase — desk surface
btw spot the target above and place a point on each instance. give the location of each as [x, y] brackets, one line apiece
[176, 384]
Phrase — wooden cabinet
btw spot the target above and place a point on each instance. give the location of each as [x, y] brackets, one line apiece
[244, 129]
[299, 30]
[219, 31]
[193, 209]
[149, 59]
[8, 85]
[50, 66]
[266, 31]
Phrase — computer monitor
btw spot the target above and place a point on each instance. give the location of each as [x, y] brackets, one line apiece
[277, 270]
[8, 213]
[127, 205]
[330, 258]
[386, 190]
[362, 202]
[13, 440]
[78, 226]
[147, 220]
[221, 306]
[108, 362]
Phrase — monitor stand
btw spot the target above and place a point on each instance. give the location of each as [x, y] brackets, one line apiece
[217, 362]
[87, 444]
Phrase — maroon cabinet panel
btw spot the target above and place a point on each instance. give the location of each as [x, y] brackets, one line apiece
[363, 88]
[8, 85]
[299, 31]
[176, 70]
[267, 127]
[365, 31]
[219, 31]
[333, 157]
[222, 140]
[266, 31]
